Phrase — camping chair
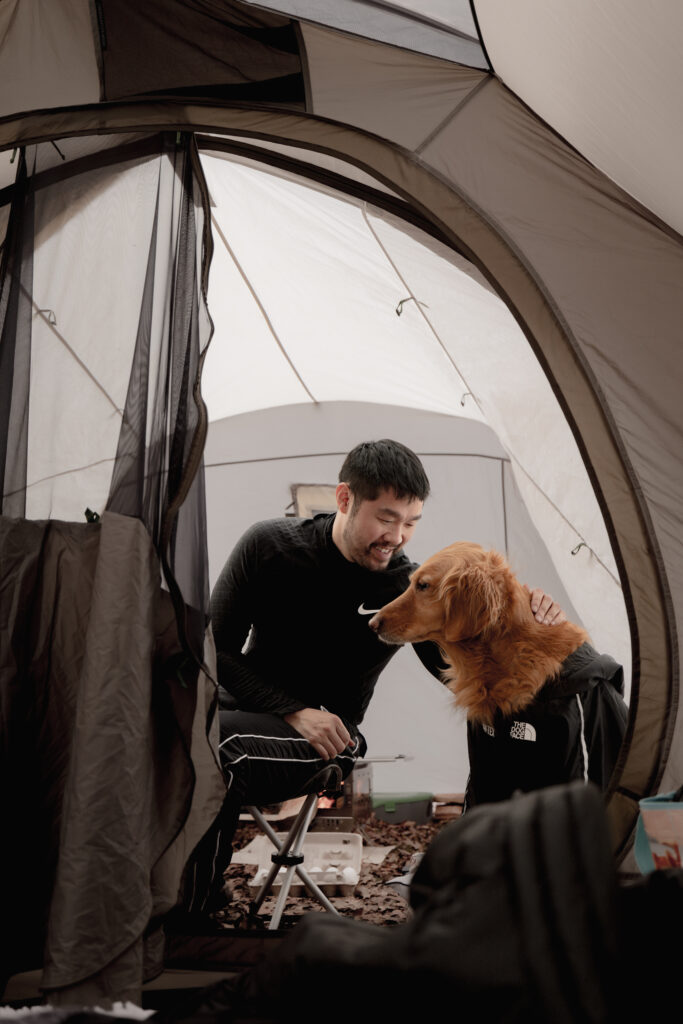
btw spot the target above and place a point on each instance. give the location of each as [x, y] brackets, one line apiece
[289, 849]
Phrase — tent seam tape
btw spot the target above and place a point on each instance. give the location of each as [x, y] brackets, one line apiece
[449, 117]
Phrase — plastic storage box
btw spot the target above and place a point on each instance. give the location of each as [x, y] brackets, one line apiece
[395, 807]
[332, 859]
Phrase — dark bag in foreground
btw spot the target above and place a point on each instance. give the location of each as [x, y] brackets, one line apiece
[515, 920]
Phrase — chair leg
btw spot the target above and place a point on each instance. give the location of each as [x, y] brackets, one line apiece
[293, 842]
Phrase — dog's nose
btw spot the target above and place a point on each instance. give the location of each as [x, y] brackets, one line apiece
[374, 623]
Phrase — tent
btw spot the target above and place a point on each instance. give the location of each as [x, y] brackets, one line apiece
[513, 223]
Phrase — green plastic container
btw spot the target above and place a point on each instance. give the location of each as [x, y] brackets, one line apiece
[394, 807]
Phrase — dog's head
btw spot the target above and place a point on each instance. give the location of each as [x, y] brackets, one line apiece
[461, 592]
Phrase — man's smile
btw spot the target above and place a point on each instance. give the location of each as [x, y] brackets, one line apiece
[382, 552]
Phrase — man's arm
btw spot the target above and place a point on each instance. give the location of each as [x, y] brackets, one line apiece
[233, 602]
[323, 730]
[232, 606]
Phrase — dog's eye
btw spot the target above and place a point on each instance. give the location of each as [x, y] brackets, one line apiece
[422, 585]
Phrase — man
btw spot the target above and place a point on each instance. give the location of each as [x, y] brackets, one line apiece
[302, 592]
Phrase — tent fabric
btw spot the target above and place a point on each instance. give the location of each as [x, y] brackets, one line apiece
[545, 328]
[569, 235]
[412, 95]
[136, 454]
[621, 109]
[108, 772]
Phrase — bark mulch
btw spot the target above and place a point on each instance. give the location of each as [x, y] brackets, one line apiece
[373, 900]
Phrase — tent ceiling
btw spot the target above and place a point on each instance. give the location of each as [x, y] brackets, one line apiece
[627, 52]
[284, 267]
[608, 77]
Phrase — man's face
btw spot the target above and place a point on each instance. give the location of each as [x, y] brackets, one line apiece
[372, 532]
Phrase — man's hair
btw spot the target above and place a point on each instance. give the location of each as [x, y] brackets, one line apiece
[375, 466]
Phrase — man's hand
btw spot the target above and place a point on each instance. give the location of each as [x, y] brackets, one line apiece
[544, 608]
[323, 730]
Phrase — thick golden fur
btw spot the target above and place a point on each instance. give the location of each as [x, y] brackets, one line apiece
[470, 603]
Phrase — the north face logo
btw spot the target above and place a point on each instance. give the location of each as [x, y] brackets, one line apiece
[522, 731]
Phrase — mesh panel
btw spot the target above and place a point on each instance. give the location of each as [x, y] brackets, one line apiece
[164, 420]
[103, 322]
[15, 346]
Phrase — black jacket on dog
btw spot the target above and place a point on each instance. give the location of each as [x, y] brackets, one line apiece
[571, 730]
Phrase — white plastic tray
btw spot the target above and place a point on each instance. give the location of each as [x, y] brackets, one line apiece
[332, 859]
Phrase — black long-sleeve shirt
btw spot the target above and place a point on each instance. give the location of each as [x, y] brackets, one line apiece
[289, 589]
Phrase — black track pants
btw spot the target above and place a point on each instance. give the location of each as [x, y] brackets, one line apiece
[264, 761]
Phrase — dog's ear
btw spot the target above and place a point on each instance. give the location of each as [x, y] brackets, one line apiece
[475, 597]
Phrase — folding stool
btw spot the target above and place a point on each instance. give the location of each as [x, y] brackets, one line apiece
[289, 849]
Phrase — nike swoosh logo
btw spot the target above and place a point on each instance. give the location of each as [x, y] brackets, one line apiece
[362, 610]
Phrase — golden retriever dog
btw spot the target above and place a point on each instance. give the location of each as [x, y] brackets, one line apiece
[468, 601]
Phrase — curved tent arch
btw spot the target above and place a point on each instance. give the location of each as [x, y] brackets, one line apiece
[558, 358]
[470, 232]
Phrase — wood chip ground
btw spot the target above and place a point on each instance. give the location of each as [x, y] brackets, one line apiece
[373, 901]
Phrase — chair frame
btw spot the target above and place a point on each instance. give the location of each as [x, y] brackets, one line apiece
[289, 850]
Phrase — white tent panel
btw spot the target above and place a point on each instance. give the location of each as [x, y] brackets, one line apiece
[244, 364]
[110, 212]
[66, 388]
[330, 296]
[622, 110]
